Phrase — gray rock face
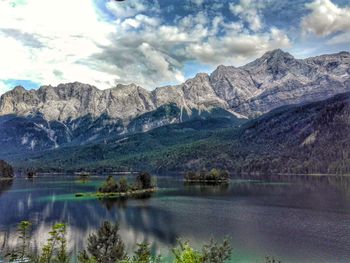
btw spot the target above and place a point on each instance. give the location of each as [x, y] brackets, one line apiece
[281, 80]
[75, 100]
[233, 85]
[275, 79]
[69, 111]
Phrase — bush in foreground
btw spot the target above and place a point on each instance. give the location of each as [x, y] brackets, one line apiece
[106, 246]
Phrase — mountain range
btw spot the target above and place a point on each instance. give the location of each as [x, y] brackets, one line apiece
[77, 126]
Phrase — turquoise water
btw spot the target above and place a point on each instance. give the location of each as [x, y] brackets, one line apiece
[294, 219]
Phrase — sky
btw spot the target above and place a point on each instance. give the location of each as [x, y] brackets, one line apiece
[157, 42]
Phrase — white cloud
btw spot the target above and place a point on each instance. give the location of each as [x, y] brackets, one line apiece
[326, 18]
[50, 42]
[63, 36]
[125, 9]
[342, 38]
[198, 2]
[237, 48]
[157, 53]
[138, 21]
[248, 10]
[158, 62]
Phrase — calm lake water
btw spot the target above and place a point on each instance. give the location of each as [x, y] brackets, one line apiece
[294, 218]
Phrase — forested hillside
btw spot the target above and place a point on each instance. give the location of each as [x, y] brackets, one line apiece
[310, 138]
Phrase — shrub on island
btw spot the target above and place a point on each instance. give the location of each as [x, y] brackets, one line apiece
[214, 175]
[123, 185]
[144, 180]
[111, 185]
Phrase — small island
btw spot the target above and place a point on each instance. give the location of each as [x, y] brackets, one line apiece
[112, 188]
[203, 176]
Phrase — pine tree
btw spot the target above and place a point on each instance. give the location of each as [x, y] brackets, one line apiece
[105, 246]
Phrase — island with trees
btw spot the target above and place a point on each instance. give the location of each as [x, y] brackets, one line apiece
[204, 176]
[112, 188]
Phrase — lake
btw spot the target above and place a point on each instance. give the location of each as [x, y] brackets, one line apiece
[293, 218]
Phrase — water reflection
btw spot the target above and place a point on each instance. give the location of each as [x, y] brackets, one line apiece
[207, 188]
[5, 185]
[111, 203]
[138, 221]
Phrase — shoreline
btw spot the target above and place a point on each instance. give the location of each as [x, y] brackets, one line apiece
[96, 175]
[117, 194]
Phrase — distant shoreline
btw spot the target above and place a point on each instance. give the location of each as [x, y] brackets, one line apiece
[96, 174]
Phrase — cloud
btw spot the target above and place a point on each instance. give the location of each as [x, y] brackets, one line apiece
[122, 10]
[238, 47]
[342, 38]
[36, 44]
[249, 11]
[27, 39]
[105, 42]
[155, 53]
[326, 18]
[197, 2]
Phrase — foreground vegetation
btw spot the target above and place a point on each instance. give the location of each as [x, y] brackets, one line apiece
[106, 246]
[212, 176]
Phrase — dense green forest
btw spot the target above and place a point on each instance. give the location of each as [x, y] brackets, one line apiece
[310, 138]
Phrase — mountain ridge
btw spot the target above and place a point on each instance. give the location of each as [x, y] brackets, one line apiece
[50, 117]
[224, 85]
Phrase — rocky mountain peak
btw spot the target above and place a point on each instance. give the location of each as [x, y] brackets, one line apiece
[223, 70]
[272, 58]
[344, 53]
[201, 77]
[274, 79]
[126, 86]
[277, 53]
[19, 89]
